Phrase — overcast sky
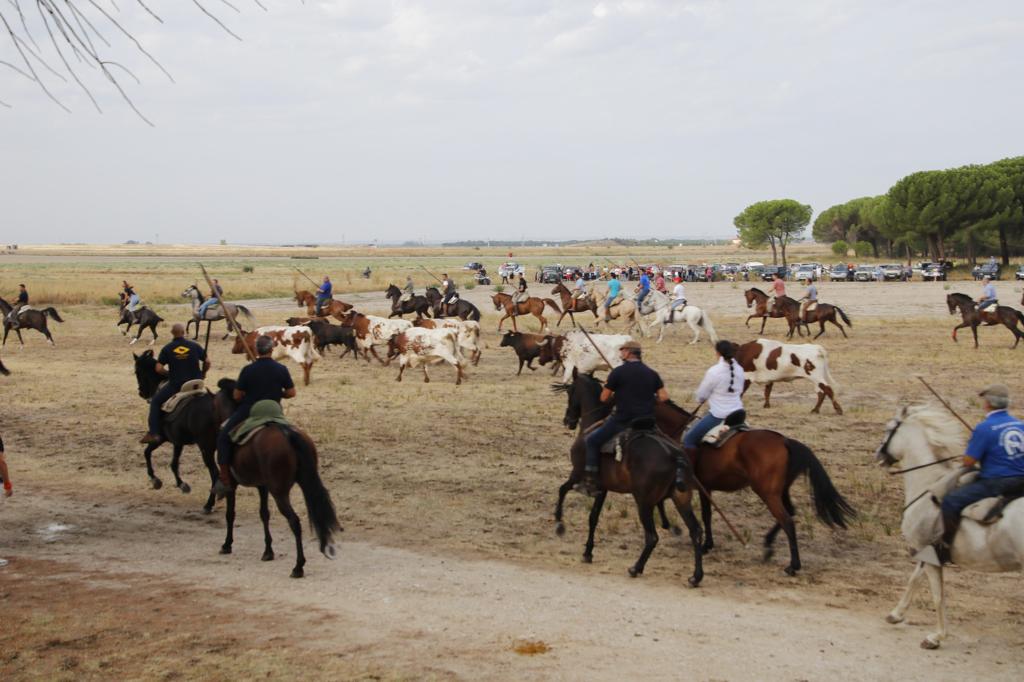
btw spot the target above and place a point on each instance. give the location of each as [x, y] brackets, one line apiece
[354, 120]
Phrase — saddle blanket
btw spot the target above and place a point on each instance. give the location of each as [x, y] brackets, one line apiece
[189, 390]
[718, 436]
[263, 413]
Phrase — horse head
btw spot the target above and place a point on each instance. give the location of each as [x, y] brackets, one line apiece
[750, 296]
[958, 302]
[146, 375]
[300, 298]
[920, 434]
[392, 291]
[192, 291]
[499, 300]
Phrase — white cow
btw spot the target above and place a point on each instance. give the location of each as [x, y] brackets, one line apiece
[419, 347]
[468, 333]
[766, 361]
[289, 342]
[371, 330]
[579, 353]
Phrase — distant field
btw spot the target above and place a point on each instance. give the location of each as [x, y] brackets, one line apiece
[75, 274]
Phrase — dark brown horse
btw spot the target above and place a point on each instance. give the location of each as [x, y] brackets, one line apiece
[417, 304]
[195, 424]
[334, 308]
[144, 317]
[647, 472]
[759, 300]
[571, 304]
[994, 314]
[531, 306]
[824, 312]
[460, 308]
[273, 461]
[28, 319]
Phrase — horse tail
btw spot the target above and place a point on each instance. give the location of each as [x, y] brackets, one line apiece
[705, 322]
[474, 313]
[846, 319]
[4, 370]
[52, 312]
[245, 311]
[554, 305]
[322, 516]
[1020, 315]
[831, 507]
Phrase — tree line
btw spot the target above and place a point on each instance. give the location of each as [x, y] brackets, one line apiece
[968, 212]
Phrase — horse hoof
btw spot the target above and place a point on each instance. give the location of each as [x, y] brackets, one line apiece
[329, 551]
[928, 643]
[767, 555]
[633, 572]
[893, 620]
[694, 581]
[225, 549]
[708, 546]
[676, 530]
[208, 510]
[157, 483]
[267, 556]
[559, 529]
[790, 571]
[297, 573]
[184, 487]
[588, 559]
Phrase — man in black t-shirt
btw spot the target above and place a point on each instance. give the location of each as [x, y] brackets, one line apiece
[181, 360]
[637, 389]
[262, 379]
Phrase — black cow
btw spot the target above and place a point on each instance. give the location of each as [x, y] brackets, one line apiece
[527, 346]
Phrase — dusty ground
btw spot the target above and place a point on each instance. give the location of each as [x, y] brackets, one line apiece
[449, 562]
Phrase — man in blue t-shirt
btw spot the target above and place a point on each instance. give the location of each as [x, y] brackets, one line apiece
[323, 294]
[262, 379]
[988, 294]
[636, 389]
[181, 360]
[614, 289]
[643, 288]
[997, 448]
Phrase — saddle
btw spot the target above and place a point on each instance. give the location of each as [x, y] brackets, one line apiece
[189, 390]
[990, 510]
[733, 424]
[644, 427]
[263, 413]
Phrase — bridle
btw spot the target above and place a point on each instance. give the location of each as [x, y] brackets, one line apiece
[888, 460]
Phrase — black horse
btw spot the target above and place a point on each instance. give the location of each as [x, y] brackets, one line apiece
[417, 304]
[462, 308]
[195, 424]
[973, 318]
[28, 319]
[144, 317]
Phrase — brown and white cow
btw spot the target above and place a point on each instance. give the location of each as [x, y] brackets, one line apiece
[766, 362]
[371, 331]
[468, 333]
[419, 347]
[289, 342]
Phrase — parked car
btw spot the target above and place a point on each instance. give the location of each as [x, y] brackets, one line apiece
[805, 272]
[892, 272]
[933, 272]
[841, 273]
[1020, 272]
[472, 265]
[511, 269]
[770, 270]
[992, 270]
[864, 273]
[549, 274]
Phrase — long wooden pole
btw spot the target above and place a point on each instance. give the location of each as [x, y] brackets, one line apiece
[307, 277]
[947, 405]
[230, 317]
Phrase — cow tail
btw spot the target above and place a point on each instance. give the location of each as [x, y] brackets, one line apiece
[554, 305]
[52, 312]
[831, 507]
[846, 320]
[322, 516]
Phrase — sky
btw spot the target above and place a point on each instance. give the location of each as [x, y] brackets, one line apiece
[349, 121]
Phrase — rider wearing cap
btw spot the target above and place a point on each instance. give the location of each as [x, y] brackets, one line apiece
[636, 389]
[996, 447]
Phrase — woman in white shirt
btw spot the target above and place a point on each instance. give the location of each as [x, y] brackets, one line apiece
[721, 388]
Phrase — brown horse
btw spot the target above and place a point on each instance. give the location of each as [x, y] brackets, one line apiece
[759, 300]
[647, 472]
[973, 318]
[28, 319]
[822, 313]
[571, 304]
[334, 308]
[531, 306]
[273, 461]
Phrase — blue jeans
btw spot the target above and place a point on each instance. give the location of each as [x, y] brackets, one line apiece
[156, 402]
[205, 305]
[696, 432]
[986, 303]
[961, 498]
[641, 296]
[599, 436]
[320, 300]
[224, 447]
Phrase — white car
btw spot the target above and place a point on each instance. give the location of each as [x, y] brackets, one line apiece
[511, 269]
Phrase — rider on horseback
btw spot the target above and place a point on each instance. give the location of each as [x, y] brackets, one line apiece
[778, 289]
[323, 295]
[216, 294]
[448, 288]
[20, 302]
[643, 288]
[997, 447]
[521, 294]
[132, 298]
[810, 298]
[262, 379]
[180, 362]
[678, 298]
[408, 291]
[580, 289]
[988, 294]
[636, 389]
[722, 388]
[614, 291]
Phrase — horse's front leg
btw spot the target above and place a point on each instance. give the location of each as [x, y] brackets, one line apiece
[148, 454]
[595, 514]
[563, 490]
[934, 574]
[676, 530]
[175, 458]
[898, 613]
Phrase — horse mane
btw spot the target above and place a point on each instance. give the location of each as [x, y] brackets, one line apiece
[677, 408]
[941, 432]
[755, 289]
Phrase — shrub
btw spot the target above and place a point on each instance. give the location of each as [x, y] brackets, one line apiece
[499, 288]
[469, 285]
[839, 247]
[248, 268]
[863, 249]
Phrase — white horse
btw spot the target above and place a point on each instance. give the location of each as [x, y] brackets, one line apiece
[923, 435]
[660, 305]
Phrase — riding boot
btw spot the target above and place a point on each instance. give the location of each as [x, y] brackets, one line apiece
[944, 547]
[591, 483]
[225, 483]
[684, 464]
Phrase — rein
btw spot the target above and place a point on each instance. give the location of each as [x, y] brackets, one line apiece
[922, 466]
